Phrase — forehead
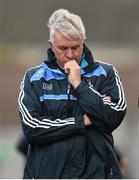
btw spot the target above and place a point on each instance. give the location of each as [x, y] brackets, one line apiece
[61, 40]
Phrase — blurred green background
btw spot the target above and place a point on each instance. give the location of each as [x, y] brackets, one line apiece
[112, 28]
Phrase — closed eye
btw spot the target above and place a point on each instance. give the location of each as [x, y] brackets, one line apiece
[75, 47]
[63, 48]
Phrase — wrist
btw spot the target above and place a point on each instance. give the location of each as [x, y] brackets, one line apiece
[76, 84]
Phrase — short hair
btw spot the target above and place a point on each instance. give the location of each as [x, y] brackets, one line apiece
[68, 24]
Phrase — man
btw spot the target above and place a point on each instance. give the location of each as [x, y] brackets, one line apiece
[69, 106]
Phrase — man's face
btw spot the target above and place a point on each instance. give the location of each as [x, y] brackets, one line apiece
[66, 50]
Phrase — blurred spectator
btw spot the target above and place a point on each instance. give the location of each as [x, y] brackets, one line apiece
[122, 159]
[22, 145]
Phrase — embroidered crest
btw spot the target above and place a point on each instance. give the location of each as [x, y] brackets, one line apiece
[47, 86]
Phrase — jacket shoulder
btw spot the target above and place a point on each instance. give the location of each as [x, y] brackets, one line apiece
[35, 72]
[106, 66]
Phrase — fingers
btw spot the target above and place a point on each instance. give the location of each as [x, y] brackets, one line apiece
[73, 70]
[66, 70]
[72, 64]
[104, 97]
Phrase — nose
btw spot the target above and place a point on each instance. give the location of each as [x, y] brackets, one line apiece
[70, 54]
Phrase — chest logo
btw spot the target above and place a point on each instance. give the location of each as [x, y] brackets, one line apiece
[47, 86]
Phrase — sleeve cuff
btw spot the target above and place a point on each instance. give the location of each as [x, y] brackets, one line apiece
[79, 122]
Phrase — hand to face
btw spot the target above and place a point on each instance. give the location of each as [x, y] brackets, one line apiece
[72, 68]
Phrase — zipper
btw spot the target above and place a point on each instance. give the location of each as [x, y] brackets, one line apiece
[69, 110]
[68, 90]
[110, 173]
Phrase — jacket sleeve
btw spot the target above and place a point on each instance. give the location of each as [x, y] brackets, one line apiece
[106, 114]
[39, 129]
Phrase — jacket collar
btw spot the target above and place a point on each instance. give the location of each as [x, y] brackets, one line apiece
[87, 62]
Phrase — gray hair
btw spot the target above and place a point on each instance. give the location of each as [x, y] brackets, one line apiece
[68, 24]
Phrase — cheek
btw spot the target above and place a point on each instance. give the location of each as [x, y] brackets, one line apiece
[79, 54]
[56, 52]
[59, 55]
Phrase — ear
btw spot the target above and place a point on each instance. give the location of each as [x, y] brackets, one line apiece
[51, 44]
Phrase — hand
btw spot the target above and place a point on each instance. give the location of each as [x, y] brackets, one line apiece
[104, 97]
[73, 70]
[87, 121]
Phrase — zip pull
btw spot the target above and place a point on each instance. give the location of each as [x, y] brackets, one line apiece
[69, 111]
[68, 90]
[90, 84]
[111, 172]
